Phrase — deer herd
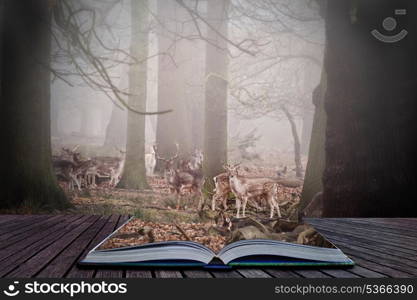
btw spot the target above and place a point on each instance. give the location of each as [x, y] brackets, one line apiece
[71, 168]
[179, 175]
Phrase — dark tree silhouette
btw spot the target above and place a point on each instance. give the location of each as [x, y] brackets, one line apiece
[215, 133]
[134, 173]
[26, 168]
[371, 111]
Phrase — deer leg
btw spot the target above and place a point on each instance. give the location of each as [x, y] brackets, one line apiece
[201, 203]
[245, 202]
[74, 178]
[238, 203]
[93, 180]
[177, 193]
[271, 203]
[278, 210]
[213, 202]
[224, 199]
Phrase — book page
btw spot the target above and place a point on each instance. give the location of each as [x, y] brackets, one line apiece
[139, 232]
[163, 217]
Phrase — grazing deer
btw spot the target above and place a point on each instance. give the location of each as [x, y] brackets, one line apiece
[150, 162]
[251, 188]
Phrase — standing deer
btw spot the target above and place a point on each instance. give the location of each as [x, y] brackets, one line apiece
[251, 188]
[221, 190]
[116, 171]
[190, 176]
[71, 169]
[84, 170]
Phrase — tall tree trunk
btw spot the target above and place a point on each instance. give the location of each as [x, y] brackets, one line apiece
[316, 158]
[54, 118]
[173, 127]
[313, 178]
[297, 146]
[26, 169]
[308, 119]
[217, 61]
[116, 128]
[371, 111]
[1, 39]
[134, 173]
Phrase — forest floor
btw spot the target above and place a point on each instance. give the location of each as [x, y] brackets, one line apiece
[155, 204]
[155, 210]
[158, 205]
[157, 218]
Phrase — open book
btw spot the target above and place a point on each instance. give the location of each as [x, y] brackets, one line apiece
[139, 243]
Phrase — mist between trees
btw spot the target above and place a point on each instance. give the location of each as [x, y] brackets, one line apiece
[236, 81]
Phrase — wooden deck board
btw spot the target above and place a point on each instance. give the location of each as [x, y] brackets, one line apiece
[162, 273]
[112, 272]
[226, 274]
[29, 233]
[29, 242]
[281, 273]
[311, 273]
[14, 228]
[22, 255]
[40, 260]
[384, 227]
[405, 234]
[138, 274]
[253, 273]
[76, 271]
[373, 236]
[61, 264]
[50, 246]
[197, 274]
[366, 243]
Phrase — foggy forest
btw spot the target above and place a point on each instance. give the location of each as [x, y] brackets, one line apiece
[194, 111]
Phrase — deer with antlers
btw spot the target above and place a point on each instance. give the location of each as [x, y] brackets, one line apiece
[190, 176]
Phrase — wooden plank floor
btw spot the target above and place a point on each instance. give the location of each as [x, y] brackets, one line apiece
[49, 246]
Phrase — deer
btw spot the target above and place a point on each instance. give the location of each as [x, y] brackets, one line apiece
[116, 171]
[177, 179]
[66, 167]
[221, 190]
[84, 170]
[150, 162]
[250, 188]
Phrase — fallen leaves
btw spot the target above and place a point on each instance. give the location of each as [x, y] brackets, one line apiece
[139, 232]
